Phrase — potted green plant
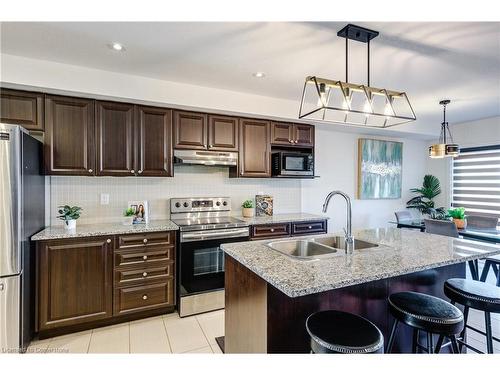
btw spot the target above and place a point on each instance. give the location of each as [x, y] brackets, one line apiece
[247, 208]
[69, 214]
[129, 216]
[424, 201]
[458, 216]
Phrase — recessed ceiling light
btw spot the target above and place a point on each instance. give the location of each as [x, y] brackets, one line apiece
[259, 74]
[117, 46]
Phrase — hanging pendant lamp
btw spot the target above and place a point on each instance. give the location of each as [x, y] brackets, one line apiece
[444, 149]
[354, 104]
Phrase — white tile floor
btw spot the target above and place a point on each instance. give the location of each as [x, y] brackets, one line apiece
[162, 334]
[196, 334]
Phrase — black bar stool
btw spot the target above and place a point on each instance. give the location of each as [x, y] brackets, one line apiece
[477, 295]
[334, 331]
[425, 313]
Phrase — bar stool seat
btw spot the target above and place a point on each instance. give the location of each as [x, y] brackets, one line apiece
[334, 331]
[472, 293]
[426, 313]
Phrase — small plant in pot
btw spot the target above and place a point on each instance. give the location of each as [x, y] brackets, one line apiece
[247, 208]
[129, 216]
[69, 214]
[458, 216]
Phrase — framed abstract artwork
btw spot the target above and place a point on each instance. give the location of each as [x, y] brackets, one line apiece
[379, 169]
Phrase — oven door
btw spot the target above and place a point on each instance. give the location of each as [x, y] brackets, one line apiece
[201, 262]
[296, 164]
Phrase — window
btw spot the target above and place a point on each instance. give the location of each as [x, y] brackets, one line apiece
[476, 181]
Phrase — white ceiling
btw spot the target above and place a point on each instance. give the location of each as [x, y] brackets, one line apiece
[430, 61]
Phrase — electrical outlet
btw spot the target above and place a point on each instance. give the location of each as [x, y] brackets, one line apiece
[104, 198]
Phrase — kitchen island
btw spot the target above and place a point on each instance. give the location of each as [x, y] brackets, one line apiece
[269, 295]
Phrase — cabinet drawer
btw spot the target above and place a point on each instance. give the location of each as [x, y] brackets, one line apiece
[145, 239]
[146, 256]
[144, 297]
[309, 227]
[270, 230]
[143, 274]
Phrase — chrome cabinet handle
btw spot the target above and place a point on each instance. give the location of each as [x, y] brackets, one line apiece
[310, 227]
[91, 170]
[145, 257]
[145, 240]
[108, 240]
[139, 171]
[132, 171]
[145, 297]
[144, 274]
[2, 287]
[271, 230]
[295, 141]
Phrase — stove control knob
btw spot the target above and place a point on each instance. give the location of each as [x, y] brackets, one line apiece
[186, 204]
[217, 203]
[177, 205]
[224, 203]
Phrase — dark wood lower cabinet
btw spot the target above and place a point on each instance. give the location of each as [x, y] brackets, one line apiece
[93, 281]
[75, 281]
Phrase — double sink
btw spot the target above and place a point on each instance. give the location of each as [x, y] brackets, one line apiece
[318, 247]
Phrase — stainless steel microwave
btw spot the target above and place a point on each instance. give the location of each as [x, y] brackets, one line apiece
[292, 164]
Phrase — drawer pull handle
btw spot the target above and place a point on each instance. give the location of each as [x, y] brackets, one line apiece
[145, 297]
[108, 240]
[310, 227]
[90, 171]
[145, 257]
[145, 240]
[271, 230]
[144, 274]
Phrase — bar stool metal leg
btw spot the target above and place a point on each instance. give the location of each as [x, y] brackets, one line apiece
[439, 344]
[454, 345]
[390, 343]
[430, 343]
[463, 333]
[489, 335]
[414, 345]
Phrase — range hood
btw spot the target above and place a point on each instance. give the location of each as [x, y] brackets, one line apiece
[210, 158]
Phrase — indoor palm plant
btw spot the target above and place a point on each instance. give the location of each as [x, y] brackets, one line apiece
[247, 207]
[424, 201]
[69, 214]
[458, 216]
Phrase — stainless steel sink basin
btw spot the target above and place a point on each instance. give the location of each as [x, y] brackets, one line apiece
[302, 249]
[338, 242]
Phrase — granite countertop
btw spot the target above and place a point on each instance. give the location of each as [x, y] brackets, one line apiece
[281, 218]
[103, 229]
[399, 252]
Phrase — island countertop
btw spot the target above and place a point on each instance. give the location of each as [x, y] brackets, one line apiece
[282, 218]
[399, 252]
[102, 229]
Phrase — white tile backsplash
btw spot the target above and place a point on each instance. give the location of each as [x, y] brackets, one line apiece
[188, 181]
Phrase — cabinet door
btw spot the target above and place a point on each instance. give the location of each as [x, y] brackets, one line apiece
[75, 281]
[69, 136]
[190, 130]
[115, 139]
[255, 156]
[282, 134]
[22, 108]
[154, 127]
[222, 133]
[304, 135]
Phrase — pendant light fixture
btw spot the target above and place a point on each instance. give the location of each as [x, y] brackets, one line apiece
[344, 102]
[444, 149]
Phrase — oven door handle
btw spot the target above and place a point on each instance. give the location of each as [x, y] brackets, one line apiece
[214, 234]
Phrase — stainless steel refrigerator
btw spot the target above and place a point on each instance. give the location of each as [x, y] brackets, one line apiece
[22, 213]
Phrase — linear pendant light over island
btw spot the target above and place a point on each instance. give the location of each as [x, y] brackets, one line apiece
[362, 105]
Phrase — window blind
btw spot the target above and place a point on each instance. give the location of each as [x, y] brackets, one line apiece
[476, 181]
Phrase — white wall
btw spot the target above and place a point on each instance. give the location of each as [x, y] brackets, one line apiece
[482, 132]
[336, 163]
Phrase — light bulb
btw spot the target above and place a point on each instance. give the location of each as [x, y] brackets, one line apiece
[367, 108]
[323, 95]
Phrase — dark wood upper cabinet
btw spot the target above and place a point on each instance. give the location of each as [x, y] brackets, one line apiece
[22, 108]
[255, 154]
[154, 128]
[292, 134]
[75, 281]
[115, 139]
[282, 133]
[222, 133]
[69, 136]
[304, 135]
[190, 130]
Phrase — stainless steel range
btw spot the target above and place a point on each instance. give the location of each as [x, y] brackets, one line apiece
[205, 224]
